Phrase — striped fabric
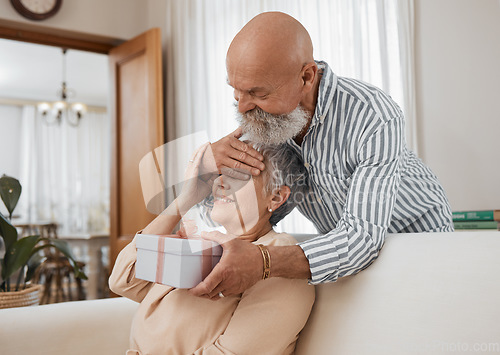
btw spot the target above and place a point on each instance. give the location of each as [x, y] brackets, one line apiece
[363, 180]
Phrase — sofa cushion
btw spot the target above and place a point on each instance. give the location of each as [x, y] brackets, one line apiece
[80, 327]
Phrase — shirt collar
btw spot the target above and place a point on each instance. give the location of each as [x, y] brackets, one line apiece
[326, 92]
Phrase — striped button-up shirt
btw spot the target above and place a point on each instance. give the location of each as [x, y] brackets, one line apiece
[363, 180]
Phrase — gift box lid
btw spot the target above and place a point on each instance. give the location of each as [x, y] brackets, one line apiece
[172, 244]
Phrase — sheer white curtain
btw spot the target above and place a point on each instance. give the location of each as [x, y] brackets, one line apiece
[65, 172]
[371, 40]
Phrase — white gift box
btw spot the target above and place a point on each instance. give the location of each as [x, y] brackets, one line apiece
[176, 262]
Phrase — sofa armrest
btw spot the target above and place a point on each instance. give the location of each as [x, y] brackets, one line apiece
[79, 327]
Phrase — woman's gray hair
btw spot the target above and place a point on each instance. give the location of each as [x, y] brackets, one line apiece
[283, 167]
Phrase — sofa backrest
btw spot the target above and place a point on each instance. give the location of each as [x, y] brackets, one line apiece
[427, 293]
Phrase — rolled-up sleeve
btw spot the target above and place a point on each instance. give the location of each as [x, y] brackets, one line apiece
[360, 232]
[122, 280]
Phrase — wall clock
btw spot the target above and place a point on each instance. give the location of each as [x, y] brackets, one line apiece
[37, 9]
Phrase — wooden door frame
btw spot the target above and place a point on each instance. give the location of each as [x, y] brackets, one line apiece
[30, 33]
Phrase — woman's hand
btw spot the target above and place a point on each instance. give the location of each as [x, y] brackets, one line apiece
[197, 184]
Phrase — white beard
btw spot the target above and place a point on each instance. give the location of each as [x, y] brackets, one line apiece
[261, 127]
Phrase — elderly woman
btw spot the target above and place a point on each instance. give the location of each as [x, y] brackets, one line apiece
[265, 319]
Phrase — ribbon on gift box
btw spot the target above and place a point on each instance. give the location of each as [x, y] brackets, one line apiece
[206, 258]
[160, 259]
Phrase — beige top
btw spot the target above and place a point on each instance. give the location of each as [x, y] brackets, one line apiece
[265, 319]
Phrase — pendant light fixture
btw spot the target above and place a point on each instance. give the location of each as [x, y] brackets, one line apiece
[53, 113]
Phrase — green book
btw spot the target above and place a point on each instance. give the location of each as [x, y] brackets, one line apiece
[493, 215]
[476, 225]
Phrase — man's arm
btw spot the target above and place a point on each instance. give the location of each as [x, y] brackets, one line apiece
[289, 262]
[360, 233]
[241, 266]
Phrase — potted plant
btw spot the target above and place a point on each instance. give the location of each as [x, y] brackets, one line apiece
[22, 256]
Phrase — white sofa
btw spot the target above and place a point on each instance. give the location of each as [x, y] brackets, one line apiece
[425, 294]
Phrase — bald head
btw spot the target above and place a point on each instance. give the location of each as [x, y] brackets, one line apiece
[273, 41]
[270, 65]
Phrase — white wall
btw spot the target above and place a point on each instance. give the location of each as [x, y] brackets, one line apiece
[10, 135]
[458, 91]
[10, 131]
[118, 19]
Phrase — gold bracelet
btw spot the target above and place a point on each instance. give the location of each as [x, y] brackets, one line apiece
[267, 261]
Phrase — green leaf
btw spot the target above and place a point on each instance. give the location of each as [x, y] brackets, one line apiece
[8, 233]
[10, 190]
[19, 277]
[63, 247]
[33, 263]
[18, 255]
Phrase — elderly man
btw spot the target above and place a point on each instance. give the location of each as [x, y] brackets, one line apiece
[363, 180]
